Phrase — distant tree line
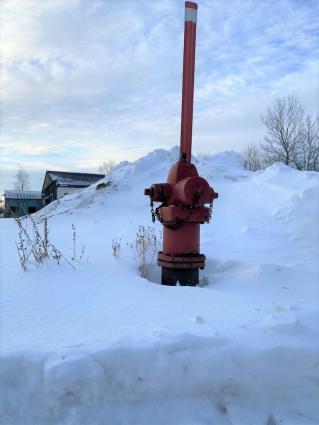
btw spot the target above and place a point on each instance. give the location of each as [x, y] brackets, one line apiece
[291, 137]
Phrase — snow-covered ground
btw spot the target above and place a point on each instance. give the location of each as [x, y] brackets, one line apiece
[101, 345]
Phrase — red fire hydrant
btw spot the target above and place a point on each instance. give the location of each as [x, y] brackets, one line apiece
[184, 196]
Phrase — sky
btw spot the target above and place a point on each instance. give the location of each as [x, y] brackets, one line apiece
[87, 81]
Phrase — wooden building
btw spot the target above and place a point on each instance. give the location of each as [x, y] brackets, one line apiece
[58, 183]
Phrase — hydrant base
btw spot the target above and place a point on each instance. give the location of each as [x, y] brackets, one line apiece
[185, 277]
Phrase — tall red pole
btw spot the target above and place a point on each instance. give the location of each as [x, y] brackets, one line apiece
[188, 80]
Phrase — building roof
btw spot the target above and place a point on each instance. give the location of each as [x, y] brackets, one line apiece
[22, 194]
[63, 178]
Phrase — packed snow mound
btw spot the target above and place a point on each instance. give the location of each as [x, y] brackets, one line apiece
[154, 163]
[101, 345]
[158, 162]
[133, 177]
[222, 164]
[280, 174]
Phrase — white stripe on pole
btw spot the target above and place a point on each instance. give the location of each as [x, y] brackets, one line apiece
[190, 14]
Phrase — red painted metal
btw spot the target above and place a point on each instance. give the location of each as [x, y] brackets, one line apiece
[188, 81]
[170, 261]
[184, 196]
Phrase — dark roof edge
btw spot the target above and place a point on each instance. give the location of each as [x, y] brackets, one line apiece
[75, 172]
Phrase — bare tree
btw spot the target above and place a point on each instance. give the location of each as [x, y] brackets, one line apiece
[252, 158]
[21, 179]
[307, 157]
[106, 167]
[284, 124]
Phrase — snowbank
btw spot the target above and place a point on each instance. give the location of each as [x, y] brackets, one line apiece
[101, 345]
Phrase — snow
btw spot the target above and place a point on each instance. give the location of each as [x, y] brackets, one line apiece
[22, 194]
[101, 345]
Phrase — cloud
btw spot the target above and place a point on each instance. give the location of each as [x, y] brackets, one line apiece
[86, 81]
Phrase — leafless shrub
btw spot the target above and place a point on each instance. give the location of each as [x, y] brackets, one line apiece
[106, 167]
[21, 179]
[307, 154]
[40, 245]
[35, 244]
[284, 125]
[252, 158]
[46, 236]
[74, 241]
[116, 247]
[56, 255]
[291, 137]
[144, 248]
[82, 251]
[23, 252]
